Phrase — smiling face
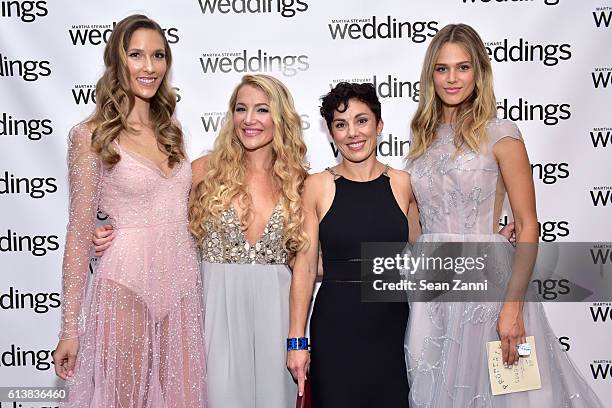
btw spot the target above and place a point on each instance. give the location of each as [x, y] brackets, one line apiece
[453, 77]
[146, 61]
[354, 131]
[253, 122]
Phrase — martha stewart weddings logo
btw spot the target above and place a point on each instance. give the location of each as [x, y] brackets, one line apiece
[522, 50]
[26, 11]
[259, 61]
[602, 16]
[286, 8]
[601, 137]
[96, 34]
[382, 28]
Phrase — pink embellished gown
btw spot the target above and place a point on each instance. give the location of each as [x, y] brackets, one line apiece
[139, 320]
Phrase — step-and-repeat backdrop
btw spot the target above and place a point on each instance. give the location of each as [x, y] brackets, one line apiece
[552, 61]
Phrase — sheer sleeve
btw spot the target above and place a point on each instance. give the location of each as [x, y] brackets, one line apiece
[409, 163]
[501, 128]
[84, 173]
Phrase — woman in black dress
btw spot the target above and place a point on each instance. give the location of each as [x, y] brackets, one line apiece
[357, 357]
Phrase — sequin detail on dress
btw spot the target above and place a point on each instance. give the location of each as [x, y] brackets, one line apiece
[226, 242]
[247, 312]
[139, 322]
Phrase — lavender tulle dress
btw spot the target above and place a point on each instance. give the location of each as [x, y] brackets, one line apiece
[139, 321]
[459, 199]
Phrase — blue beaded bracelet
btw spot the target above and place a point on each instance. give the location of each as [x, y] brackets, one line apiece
[296, 343]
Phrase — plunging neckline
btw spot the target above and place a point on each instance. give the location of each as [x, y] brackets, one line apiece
[150, 164]
[266, 226]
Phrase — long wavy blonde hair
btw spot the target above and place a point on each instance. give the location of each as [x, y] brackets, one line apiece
[115, 99]
[474, 113]
[225, 179]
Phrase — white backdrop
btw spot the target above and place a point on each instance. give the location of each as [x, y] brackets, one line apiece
[553, 68]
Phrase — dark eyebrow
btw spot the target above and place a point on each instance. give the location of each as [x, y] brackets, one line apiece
[458, 63]
[139, 50]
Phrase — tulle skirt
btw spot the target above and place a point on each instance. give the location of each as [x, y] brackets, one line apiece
[141, 337]
[446, 356]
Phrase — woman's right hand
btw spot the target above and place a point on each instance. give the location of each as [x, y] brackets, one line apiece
[298, 362]
[102, 238]
[64, 357]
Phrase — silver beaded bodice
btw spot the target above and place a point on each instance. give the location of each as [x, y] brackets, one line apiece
[226, 242]
[456, 192]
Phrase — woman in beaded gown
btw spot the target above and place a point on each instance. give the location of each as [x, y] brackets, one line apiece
[461, 164]
[135, 338]
[246, 215]
[357, 357]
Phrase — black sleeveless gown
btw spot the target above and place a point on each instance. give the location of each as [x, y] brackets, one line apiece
[357, 357]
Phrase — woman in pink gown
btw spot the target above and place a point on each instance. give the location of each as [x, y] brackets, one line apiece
[134, 336]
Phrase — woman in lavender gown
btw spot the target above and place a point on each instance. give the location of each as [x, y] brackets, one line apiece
[462, 162]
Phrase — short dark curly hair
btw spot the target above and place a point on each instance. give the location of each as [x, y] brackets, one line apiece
[337, 100]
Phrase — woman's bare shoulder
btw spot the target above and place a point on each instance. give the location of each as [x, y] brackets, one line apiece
[199, 167]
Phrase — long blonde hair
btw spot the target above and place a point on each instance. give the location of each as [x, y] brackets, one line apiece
[225, 178]
[115, 99]
[474, 113]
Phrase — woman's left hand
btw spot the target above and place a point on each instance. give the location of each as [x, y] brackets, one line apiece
[511, 330]
[508, 233]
